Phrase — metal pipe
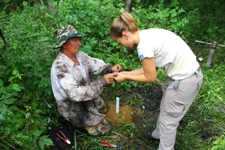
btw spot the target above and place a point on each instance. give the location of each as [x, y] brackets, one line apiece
[211, 54]
[220, 45]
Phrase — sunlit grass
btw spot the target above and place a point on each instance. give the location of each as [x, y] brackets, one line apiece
[205, 119]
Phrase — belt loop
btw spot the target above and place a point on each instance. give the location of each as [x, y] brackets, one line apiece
[176, 83]
[198, 70]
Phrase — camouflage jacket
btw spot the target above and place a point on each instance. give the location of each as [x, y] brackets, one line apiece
[75, 89]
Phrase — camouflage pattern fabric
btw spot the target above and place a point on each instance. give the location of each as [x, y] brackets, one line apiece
[76, 90]
[65, 33]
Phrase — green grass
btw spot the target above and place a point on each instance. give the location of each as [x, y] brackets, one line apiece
[201, 129]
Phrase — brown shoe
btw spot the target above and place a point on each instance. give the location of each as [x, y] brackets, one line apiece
[93, 131]
[102, 128]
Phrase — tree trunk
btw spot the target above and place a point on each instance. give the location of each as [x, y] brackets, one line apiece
[128, 5]
[50, 7]
[5, 43]
[12, 5]
[57, 14]
[211, 54]
[42, 3]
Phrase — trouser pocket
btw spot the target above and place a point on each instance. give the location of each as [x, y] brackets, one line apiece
[175, 108]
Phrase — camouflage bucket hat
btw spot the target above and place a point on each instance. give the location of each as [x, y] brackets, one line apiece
[65, 33]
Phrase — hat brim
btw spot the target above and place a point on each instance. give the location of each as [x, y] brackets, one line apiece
[71, 36]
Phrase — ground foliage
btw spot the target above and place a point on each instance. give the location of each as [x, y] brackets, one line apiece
[27, 106]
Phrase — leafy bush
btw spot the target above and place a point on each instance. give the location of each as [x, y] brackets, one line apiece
[25, 84]
[219, 143]
[27, 106]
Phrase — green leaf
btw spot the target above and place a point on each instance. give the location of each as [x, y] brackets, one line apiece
[15, 87]
[3, 90]
[44, 140]
[5, 96]
[22, 136]
[15, 72]
[37, 133]
[1, 82]
[48, 142]
[9, 101]
[41, 145]
[2, 117]
[43, 39]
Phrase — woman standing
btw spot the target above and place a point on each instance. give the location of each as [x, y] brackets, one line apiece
[161, 48]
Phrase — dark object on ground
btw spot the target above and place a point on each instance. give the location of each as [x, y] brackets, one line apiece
[67, 129]
[148, 136]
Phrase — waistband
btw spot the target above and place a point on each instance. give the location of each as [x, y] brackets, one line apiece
[197, 71]
[176, 82]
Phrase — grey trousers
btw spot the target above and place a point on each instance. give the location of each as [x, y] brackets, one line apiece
[175, 103]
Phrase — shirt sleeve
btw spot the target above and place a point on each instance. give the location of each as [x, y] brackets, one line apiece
[145, 51]
[98, 66]
[145, 48]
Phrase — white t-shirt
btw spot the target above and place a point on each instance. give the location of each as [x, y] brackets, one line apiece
[169, 51]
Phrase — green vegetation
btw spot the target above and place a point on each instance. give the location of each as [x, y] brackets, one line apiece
[27, 106]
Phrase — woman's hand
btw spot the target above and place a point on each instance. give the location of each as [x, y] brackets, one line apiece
[120, 77]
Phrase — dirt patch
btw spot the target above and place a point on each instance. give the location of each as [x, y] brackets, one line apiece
[151, 101]
[124, 114]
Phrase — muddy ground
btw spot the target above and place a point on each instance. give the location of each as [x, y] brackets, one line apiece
[143, 116]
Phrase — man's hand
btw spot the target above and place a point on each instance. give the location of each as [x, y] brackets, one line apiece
[109, 78]
[117, 68]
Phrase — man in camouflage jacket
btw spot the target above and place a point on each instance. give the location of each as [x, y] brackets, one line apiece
[76, 91]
